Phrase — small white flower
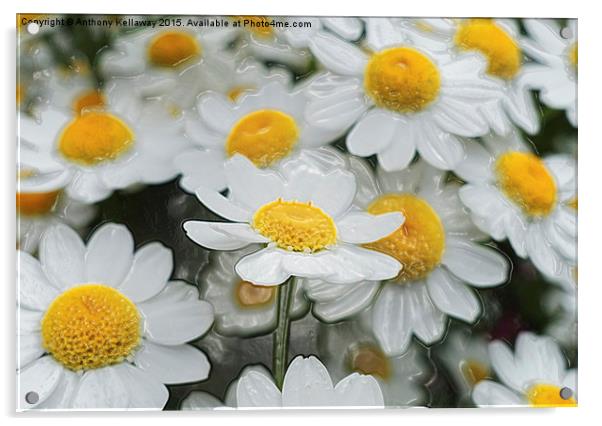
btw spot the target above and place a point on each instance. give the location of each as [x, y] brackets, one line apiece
[101, 326]
[303, 217]
[241, 308]
[556, 74]
[267, 126]
[100, 150]
[533, 375]
[438, 247]
[514, 194]
[349, 349]
[421, 106]
[561, 305]
[499, 42]
[302, 29]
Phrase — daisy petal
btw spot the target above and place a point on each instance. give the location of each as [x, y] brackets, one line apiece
[244, 178]
[255, 389]
[222, 206]
[487, 393]
[109, 255]
[475, 264]
[439, 148]
[222, 236]
[263, 267]
[357, 390]
[453, 297]
[216, 112]
[62, 254]
[360, 227]
[348, 304]
[173, 364]
[63, 394]
[307, 384]
[337, 55]
[35, 291]
[390, 321]
[372, 134]
[151, 268]
[41, 377]
[29, 348]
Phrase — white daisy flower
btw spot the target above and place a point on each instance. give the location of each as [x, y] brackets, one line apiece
[561, 304]
[499, 42]
[103, 327]
[421, 106]
[37, 211]
[263, 38]
[348, 349]
[556, 74]
[241, 308]
[266, 126]
[534, 375]
[465, 357]
[514, 194]
[441, 259]
[302, 215]
[176, 62]
[75, 91]
[301, 29]
[100, 150]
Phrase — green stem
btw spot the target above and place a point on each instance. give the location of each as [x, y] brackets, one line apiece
[281, 334]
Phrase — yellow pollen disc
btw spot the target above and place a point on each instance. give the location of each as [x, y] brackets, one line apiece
[91, 326]
[544, 395]
[295, 226]
[263, 136]
[503, 54]
[95, 137]
[249, 295]
[419, 243]
[402, 79]
[573, 55]
[235, 93]
[89, 100]
[526, 180]
[369, 359]
[172, 48]
[474, 371]
[36, 203]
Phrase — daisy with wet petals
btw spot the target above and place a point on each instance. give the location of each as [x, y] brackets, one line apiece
[513, 193]
[556, 52]
[102, 326]
[535, 375]
[266, 126]
[302, 216]
[498, 41]
[399, 98]
[438, 248]
[242, 308]
[302, 29]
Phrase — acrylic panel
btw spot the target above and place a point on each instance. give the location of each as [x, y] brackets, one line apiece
[219, 212]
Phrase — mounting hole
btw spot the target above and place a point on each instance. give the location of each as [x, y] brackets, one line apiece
[566, 393]
[32, 397]
[566, 33]
[33, 28]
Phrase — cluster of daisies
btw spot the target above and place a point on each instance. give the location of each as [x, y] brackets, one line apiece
[362, 171]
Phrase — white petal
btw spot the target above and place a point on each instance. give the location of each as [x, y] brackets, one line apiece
[263, 267]
[222, 206]
[250, 186]
[41, 377]
[390, 321]
[358, 390]
[381, 33]
[372, 134]
[541, 252]
[29, 348]
[347, 27]
[173, 364]
[545, 35]
[222, 236]
[255, 389]
[151, 268]
[487, 393]
[428, 322]
[216, 112]
[348, 304]
[62, 395]
[453, 297]
[176, 315]
[88, 188]
[476, 164]
[337, 55]
[541, 359]
[360, 227]
[197, 400]
[109, 255]
[307, 384]
[35, 291]
[338, 111]
[201, 168]
[62, 257]
[439, 148]
[502, 360]
[475, 264]
[400, 152]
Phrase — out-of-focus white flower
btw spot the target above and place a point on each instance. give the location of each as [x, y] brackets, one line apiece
[438, 248]
[302, 29]
[561, 305]
[302, 215]
[350, 349]
[266, 126]
[395, 110]
[465, 357]
[499, 42]
[533, 375]
[514, 194]
[556, 74]
[101, 326]
[241, 308]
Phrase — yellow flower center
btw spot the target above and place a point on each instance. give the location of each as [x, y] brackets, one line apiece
[91, 326]
[263, 136]
[419, 243]
[235, 93]
[573, 55]
[544, 395]
[526, 180]
[89, 100]
[95, 137]
[402, 79]
[295, 226]
[172, 48]
[249, 295]
[369, 359]
[474, 371]
[258, 25]
[36, 203]
[503, 54]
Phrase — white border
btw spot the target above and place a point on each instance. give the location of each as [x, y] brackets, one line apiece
[590, 179]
